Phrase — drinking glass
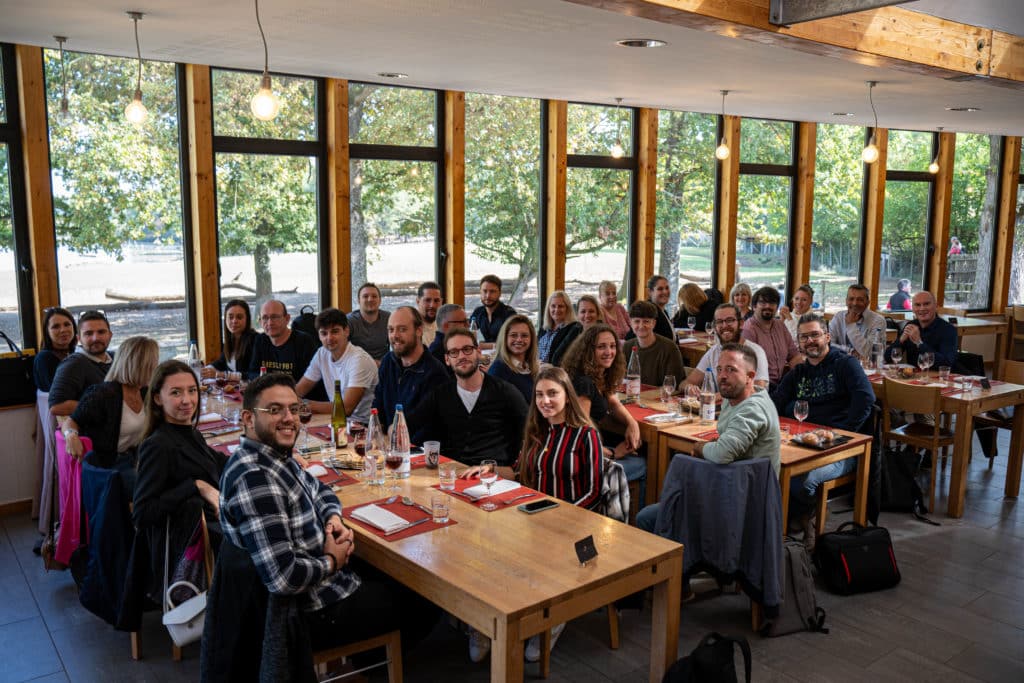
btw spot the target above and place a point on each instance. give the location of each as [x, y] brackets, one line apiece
[691, 322]
[896, 353]
[944, 374]
[305, 415]
[393, 461]
[668, 388]
[488, 475]
[800, 412]
[709, 328]
[925, 360]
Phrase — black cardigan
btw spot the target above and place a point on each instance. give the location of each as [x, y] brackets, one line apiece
[98, 416]
[243, 362]
[563, 339]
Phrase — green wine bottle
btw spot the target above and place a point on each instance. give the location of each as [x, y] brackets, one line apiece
[339, 423]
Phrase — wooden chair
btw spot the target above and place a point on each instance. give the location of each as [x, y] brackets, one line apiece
[823, 491]
[391, 642]
[1013, 372]
[923, 400]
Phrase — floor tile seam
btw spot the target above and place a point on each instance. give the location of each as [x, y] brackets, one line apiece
[968, 643]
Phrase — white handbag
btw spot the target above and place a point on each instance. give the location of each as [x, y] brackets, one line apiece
[185, 621]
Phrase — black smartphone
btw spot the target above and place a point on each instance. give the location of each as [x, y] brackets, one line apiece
[537, 506]
[952, 320]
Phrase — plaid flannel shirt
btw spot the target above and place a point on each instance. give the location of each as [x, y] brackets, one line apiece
[614, 491]
[277, 511]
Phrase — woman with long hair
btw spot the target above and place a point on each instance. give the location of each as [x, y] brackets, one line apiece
[803, 299]
[60, 337]
[515, 355]
[741, 296]
[614, 313]
[693, 301]
[238, 337]
[559, 326]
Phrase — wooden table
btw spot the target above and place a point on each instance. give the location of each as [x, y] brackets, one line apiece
[511, 575]
[796, 460]
[693, 351]
[965, 407]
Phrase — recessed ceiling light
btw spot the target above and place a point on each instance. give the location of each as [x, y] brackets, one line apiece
[842, 113]
[392, 74]
[641, 42]
[963, 108]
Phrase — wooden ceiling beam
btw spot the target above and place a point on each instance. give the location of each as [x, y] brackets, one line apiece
[886, 37]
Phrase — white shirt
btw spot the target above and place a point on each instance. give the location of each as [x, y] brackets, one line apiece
[132, 424]
[429, 332]
[354, 369]
[710, 360]
[858, 336]
[468, 397]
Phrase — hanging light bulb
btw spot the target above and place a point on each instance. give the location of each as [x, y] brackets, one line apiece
[136, 112]
[933, 167]
[870, 153]
[617, 151]
[63, 78]
[264, 104]
[722, 151]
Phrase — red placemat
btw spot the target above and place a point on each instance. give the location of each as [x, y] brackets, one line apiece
[332, 479]
[223, 447]
[796, 428]
[639, 413]
[710, 435]
[406, 512]
[418, 461]
[322, 432]
[210, 426]
[233, 396]
[498, 499]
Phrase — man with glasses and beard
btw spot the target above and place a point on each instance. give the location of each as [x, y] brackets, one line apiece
[838, 394]
[727, 328]
[475, 416]
[764, 329]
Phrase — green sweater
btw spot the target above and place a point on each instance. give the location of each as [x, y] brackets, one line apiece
[749, 429]
[657, 360]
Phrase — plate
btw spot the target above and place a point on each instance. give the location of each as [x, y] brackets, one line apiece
[838, 441]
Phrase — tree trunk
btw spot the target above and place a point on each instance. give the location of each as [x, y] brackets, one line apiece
[668, 263]
[986, 228]
[357, 222]
[261, 263]
[1017, 270]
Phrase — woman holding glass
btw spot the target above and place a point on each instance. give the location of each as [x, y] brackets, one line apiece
[741, 296]
[515, 355]
[559, 325]
[615, 314]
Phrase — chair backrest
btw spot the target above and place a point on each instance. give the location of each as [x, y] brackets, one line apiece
[1013, 370]
[911, 398]
[1018, 313]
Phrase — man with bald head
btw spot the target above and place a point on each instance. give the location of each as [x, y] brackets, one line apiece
[927, 332]
[449, 317]
[407, 372]
[280, 348]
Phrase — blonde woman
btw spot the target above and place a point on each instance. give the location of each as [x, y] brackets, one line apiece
[559, 326]
[515, 355]
[693, 302]
[742, 297]
[615, 314]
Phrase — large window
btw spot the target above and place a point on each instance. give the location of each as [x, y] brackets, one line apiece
[268, 181]
[117, 196]
[838, 193]
[763, 220]
[395, 189]
[972, 220]
[503, 197]
[10, 320]
[905, 226]
[599, 197]
[1017, 269]
[684, 235]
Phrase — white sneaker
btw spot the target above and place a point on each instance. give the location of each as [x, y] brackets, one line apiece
[532, 651]
[479, 646]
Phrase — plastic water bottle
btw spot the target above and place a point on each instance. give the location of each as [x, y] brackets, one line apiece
[707, 399]
[195, 363]
[878, 349]
[633, 376]
[400, 442]
[373, 460]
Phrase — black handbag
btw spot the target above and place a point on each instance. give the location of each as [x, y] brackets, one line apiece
[856, 559]
[710, 662]
[17, 386]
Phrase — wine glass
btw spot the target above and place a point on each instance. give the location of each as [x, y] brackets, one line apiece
[393, 461]
[709, 328]
[800, 412]
[896, 354]
[925, 360]
[668, 388]
[305, 415]
[488, 475]
[691, 322]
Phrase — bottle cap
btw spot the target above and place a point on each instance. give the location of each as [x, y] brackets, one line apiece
[398, 406]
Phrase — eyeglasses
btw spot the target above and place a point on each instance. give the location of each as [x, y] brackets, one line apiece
[811, 336]
[465, 351]
[274, 317]
[276, 410]
[726, 321]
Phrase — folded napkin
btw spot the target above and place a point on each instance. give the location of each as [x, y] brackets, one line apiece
[317, 470]
[210, 417]
[378, 517]
[689, 340]
[500, 486]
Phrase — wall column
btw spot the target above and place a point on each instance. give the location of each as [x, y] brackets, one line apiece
[340, 257]
[554, 197]
[455, 197]
[874, 208]
[647, 189]
[728, 201]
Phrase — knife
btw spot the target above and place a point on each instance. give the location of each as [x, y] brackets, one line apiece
[520, 497]
[409, 525]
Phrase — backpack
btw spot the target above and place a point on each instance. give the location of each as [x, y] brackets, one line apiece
[799, 610]
[305, 322]
[710, 662]
[900, 490]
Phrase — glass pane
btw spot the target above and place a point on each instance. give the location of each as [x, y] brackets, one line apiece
[394, 227]
[904, 237]
[267, 229]
[835, 237]
[3, 95]
[766, 142]
[382, 115]
[117, 197]
[763, 231]
[10, 321]
[684, 228]
[972, 222]
[909, 150]
[503, 197]
[232, 92]
[596, 229]
[593, 129]
[1017, 269]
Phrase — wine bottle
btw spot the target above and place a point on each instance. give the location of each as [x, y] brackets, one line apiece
[339, 423]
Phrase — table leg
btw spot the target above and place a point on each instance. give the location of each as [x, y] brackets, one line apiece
[1016, 456]
[653, 470]
[961, 453]
[665, 618]
[507, 653]
[784, 478]
[860, 495]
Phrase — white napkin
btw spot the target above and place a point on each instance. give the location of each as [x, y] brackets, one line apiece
[317, 470]
[210, 417]
[501, 486]
[689, 340]
[937, 384]
[233, 447]
[380, 518]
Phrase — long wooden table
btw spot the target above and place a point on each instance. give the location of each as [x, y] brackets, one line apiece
[795, 460]
[511, 575]
[965, 407]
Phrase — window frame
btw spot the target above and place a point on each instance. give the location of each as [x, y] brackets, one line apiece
[914, 176]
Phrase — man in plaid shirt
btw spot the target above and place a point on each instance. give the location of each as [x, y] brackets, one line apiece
[290, 524]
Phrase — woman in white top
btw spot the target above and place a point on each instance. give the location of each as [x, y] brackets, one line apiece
[803, 299]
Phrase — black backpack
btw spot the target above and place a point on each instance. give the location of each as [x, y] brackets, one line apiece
[900, 490]
[710, 662]
[305, 322]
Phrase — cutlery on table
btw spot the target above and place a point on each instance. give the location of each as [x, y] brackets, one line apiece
[512, 500]
[409, 525]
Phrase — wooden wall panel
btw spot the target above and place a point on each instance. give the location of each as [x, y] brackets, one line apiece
[338, 194]
[647, 188]
[554, 196]
[874, 207]
[942, 202]
[728, 197]
[455, 197]
[1006, 219]
[803, 205]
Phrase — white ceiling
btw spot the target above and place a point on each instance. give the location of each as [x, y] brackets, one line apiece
[537, 48]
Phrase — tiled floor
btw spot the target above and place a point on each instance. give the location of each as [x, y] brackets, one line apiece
[958, 615]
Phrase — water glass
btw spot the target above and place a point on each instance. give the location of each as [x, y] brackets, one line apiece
[446, 475]
[944, 374]
[439, 504]
[431, 453]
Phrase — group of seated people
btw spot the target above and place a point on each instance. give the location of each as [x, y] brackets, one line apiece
[538, 409]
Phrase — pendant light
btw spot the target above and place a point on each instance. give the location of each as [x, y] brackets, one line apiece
[136, 112]
[722, 151]
[617, 150]
[870, 153]
[63, 77]
[264, 104]
[933, 167]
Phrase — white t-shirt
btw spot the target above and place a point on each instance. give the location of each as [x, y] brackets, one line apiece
[132, 425]
[710, 360]
[468, 397]
[355, 369]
